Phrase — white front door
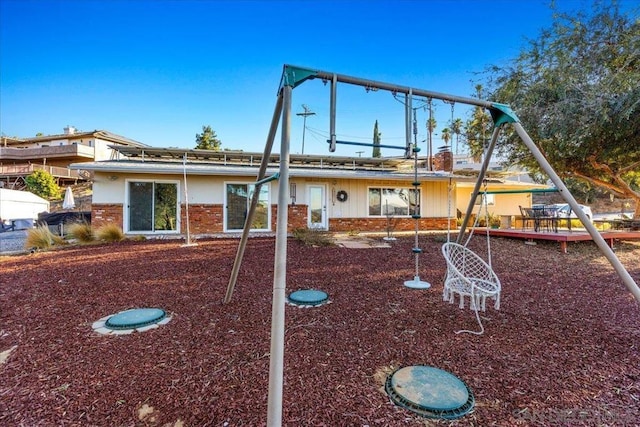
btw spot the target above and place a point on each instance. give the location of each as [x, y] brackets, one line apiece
[317, 211]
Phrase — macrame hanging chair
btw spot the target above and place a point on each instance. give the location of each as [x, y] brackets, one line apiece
[467, 273]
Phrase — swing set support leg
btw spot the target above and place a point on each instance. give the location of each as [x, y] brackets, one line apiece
[568, 197]
[476, 189]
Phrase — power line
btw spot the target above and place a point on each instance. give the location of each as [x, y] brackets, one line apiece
[307, 112]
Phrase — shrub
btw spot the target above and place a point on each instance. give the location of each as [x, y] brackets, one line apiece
[313, 237]
[81, 231]
[43, 184]
[110, 233]
[39, 238]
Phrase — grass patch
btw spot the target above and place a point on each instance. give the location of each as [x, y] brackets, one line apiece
[110, 233]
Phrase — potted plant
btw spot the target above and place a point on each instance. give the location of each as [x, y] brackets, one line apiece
[494, 221]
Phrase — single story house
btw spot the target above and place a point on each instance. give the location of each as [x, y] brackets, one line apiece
[149, 190]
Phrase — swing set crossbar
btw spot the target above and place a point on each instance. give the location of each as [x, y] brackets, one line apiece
[366, 144]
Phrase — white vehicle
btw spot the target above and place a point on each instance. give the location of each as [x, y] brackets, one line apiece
[565, 211]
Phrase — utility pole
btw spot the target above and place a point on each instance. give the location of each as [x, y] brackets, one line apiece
[307, 112]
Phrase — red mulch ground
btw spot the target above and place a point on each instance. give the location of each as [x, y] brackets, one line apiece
[563, 350]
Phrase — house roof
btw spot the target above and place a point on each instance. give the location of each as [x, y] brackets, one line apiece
[171, 161]
[178, 168]
[100, 134]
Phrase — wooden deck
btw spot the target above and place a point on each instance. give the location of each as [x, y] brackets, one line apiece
[564, 236]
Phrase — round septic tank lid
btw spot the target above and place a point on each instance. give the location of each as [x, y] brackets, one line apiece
[430, 392]
[308, 297]
[135, 318]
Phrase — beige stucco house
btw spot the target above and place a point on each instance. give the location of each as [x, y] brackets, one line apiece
[152, 191]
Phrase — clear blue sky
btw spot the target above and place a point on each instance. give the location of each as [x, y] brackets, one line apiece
[157, 71]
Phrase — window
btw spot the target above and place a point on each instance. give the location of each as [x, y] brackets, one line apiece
[393, 201]
[238, 200]
[153, 206]
[491, 198]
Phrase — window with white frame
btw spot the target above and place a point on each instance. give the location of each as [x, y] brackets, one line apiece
[153, 206]
[393, 201]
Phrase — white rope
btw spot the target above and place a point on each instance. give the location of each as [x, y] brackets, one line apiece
[475, 308]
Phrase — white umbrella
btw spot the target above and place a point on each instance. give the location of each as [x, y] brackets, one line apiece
[69, 202]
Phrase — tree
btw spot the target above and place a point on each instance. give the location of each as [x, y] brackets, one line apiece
[478, 129]
[41, 183]
[431, 126]
[208, 140]
[446, 136]
[376, 141]
[576, 90]
[456, 129]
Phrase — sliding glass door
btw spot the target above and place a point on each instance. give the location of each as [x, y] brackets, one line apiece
[153, 206]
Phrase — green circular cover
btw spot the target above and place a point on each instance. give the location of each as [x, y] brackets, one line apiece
[429, 388]
[135, 318]
[308, 297]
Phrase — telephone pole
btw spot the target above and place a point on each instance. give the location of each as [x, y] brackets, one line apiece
[307, 112]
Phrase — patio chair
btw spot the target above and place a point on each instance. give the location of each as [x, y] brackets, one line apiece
[469, 275]
[527, 216]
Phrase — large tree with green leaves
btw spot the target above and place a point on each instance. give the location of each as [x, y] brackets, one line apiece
[478, 128]
[376, 141]
[576, 90]
[208, 140]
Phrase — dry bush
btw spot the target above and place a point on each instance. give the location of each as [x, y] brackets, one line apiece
[40, 238]
[110, 233]
[313, 237]
[82, 232]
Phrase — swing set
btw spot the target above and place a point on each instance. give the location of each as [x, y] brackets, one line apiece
[458, 270]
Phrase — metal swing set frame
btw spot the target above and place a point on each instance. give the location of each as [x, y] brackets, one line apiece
[294, 76]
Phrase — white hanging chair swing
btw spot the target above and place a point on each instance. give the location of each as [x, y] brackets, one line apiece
[468, 274]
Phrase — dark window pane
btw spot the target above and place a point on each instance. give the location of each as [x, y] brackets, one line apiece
[237, 205]
[141, 206]
[165, 209]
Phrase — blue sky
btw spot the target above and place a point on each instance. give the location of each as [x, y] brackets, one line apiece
[157, 71]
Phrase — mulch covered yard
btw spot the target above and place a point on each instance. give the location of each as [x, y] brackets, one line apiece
[563, 350]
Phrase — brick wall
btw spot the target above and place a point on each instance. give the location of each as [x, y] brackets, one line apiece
[102, 214]
[296, 217]
[208, 219]
[380, 224]
[203, 219]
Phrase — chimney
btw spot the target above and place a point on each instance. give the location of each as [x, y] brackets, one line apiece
[69, 130]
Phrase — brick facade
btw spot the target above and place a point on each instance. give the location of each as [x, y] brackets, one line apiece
[203, 219]
[106, 214]
[209, 219]
[381, 224]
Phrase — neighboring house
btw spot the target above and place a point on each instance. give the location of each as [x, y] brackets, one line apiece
[143, 190]
[19, 157]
